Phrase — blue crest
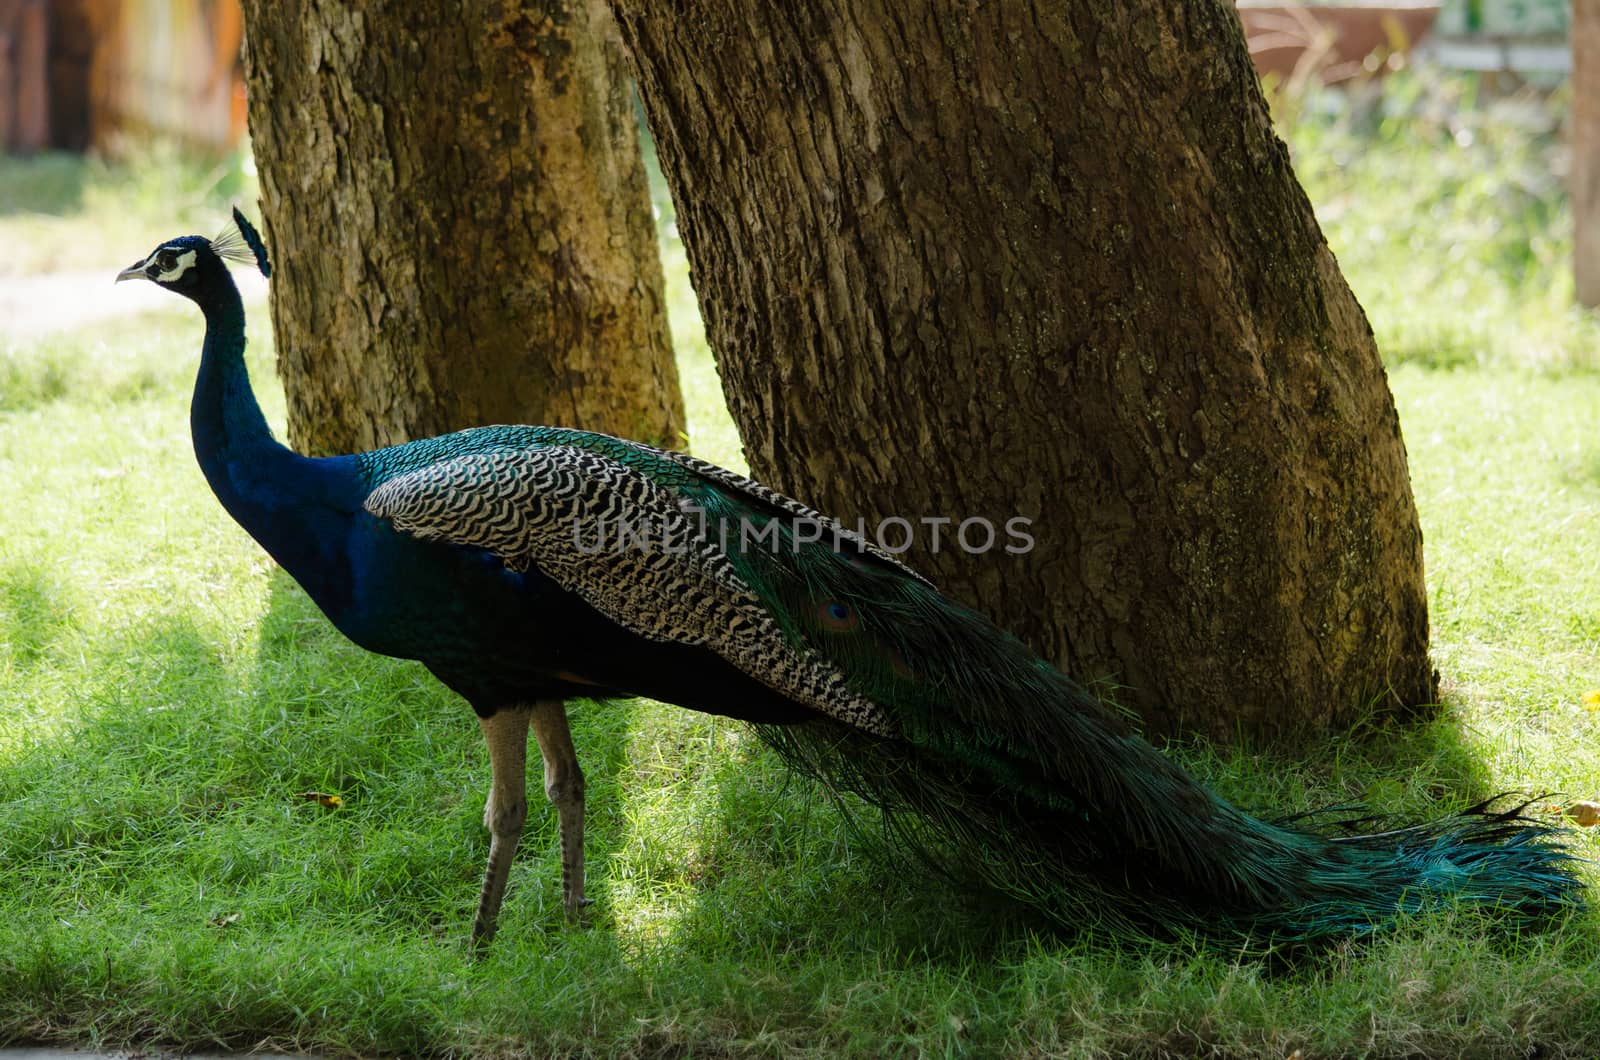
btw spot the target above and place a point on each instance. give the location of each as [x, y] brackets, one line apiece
[253, 240]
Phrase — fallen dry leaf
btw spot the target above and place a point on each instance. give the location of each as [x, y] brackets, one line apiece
[1585, 812]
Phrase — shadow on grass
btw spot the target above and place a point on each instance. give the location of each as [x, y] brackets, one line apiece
[35, 612]
[1590, 473]
[121, 775]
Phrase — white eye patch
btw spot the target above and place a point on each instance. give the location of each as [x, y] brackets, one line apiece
[168, 264]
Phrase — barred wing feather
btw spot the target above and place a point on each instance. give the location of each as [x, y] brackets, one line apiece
[633, 549]
[784, 505]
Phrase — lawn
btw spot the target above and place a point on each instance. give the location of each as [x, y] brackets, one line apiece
[167, 699]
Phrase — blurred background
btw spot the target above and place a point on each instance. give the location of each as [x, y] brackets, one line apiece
[79, 74]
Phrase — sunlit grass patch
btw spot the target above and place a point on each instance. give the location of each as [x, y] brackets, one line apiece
[1446, 208]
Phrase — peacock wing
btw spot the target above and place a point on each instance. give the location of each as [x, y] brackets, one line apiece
[636, 549]
[756, 499]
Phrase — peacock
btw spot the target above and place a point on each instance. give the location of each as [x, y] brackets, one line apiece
[529, 566]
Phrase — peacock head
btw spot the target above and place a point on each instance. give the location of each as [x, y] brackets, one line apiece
[178, 265]
[189, 263]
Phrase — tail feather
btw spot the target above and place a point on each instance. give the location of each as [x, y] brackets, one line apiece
[1267, 882]
[1001, 764]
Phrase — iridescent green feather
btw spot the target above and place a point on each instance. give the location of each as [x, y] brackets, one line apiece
[1010, 771]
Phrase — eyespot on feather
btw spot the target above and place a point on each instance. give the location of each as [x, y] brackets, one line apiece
[836, 616]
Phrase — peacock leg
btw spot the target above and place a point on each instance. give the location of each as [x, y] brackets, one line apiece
[563, 783]
[506, 733]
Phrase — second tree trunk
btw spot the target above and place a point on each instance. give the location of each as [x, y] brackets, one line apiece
[1048, 260]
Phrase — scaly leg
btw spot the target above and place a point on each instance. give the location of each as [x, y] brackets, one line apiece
[563, 784]
[507, 736]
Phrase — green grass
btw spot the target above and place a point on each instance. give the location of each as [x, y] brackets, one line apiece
[1448, 215]
[166, 697]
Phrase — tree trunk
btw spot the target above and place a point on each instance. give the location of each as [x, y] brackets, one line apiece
[1586, 150]
[1048, 260]
[464, 233]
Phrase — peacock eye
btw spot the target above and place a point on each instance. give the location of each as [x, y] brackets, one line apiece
[167, 259]
[837, 616]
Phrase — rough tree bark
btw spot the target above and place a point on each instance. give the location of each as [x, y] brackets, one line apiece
[461, 220]
[1048, 259]
[1586, 150]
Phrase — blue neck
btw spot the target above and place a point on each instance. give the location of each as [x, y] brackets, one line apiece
[296, 507]
[230, 433]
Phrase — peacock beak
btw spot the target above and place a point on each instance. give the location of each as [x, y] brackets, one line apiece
[132, 272]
